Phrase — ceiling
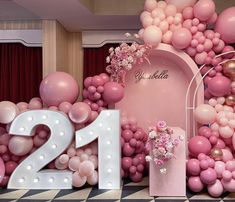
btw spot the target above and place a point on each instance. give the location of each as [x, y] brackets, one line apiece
[77, 15]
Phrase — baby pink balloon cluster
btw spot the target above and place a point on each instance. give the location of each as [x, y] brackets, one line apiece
[159, 20]
[133, 141]
[83, 162]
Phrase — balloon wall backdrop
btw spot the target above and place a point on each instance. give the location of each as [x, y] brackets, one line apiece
[188, 25]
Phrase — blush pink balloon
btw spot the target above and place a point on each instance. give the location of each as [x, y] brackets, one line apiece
[181, 38]
[227, 155]
[215, 189]
[150, 5]
[229, 185]
[74, 163]
[35, 103]
[204, 9]
[65, 107]
[80, 112]
[205, 114]
[10, 166]
[152, 35]
[113, 92]
[22, 106]
[93, 179]
[86, 168]
[208, 176]
[181, 4]
[219, 168]
[195, 184]
[87, 81]
[225, 25]
[20, 146]
[2, 169]
[8, 111]
[78, 180]
[219, 86]
[97, 81]
[199, 144]
[58, 87]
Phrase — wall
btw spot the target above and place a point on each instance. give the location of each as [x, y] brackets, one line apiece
[62, 50]
[24, 24]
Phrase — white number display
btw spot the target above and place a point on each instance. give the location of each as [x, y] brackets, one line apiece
[107, 129]
[27, 175]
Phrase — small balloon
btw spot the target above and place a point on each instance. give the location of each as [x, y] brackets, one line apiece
[80, 112]
[229, 69]
[217, 154]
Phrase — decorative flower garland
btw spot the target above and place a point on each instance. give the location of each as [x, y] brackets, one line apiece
[162, 144]
[124, 57]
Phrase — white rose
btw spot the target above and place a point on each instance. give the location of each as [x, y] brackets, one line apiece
[152, 134]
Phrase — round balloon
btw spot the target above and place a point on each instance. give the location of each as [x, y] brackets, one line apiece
[8, 111]
[2, 169]
[181, 38]
[181, 4]
[225, 25]
[205, 114]
[219, 86]
[204, 9]
[58, 87]
[113, 92]
[80, 112]
[199, 144]
[152, 35]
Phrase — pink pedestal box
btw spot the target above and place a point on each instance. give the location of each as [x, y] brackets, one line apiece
[173, 183]
[168, 88]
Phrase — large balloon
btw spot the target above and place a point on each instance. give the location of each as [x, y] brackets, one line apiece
[2, 169]
[58, 87]
[225, 25]
[181, 38]
[113, 92]
[8, 111]
[219, 86]
[199, 144]
[204, 9]
[20, 146]
[181, 4]
[205, 114]
[152, 35]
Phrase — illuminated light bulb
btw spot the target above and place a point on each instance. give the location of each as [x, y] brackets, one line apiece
[61, 133]
[66, 180]
[109, 184]
[30, 118]
[57, 121]
[29, 167]
[54, 146]
[22, 129]
[109, 156]
[51, 179]
[91, 133]
[36, 180]
[100, 124]
[41, 157]
[44, 117]
[109, 170]
[109, 129]
[21, 180]
[108, 142]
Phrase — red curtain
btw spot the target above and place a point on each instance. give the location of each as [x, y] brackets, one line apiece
[20, 72]
[95, 60]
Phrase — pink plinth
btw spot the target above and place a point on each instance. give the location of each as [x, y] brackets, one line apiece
[173, 183]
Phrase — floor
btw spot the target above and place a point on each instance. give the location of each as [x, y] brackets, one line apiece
[130, 192]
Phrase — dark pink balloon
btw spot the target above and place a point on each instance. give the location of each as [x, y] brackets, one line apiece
[97, 81]
[128, 150]
[137, 177]
[208, 176]
[195, 184]
[65, 107]
[199, 144]
[10, 167]
[132, 169]
[113, 92]
[127, 135]
[193, 167]
[58, 87]
[87, 81]
[105, 77]
[126, 162]
[2, 169]
[219, 86]
[4, 181]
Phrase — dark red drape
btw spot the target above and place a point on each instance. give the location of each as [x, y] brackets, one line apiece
[20, 72]
[95, 60]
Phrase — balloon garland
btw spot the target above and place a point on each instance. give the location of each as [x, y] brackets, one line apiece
[188, 25]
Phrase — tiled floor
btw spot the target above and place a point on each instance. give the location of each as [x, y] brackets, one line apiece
[130, 192]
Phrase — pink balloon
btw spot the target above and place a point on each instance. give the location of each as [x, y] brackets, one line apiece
[205, 114]
[35, 103]
[181, 38]
[215, 189]
[105, 77]
[219, 168]
[113, 92]
[225, 25]
[8, 111]
[74, 163]
[65, 107]
[86, 168]
[181, 4]
[80, 112]
[87, 82]
[195, 184]
[126, 163]
[128, 150]
[150, 5]
[227, 155]
[2, 169]
[10, 167]
[193, 167]
[208, 176]
[93, 179]
[78, 180]
[64, 158]
[22, 106]
[20, 146]
[188, 13]
[97, 81]
[147, 21]
[204, 9]
[137, 177]
[229, 185]
[152, 35]
[94, 160]
[58, 87]
[127, 135]
[199, 144]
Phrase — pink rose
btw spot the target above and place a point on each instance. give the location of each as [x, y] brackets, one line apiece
[161, 125]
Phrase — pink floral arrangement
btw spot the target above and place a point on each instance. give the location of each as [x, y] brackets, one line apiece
[162, 144]
[124, 57]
